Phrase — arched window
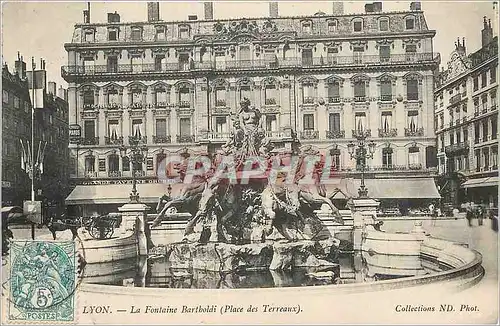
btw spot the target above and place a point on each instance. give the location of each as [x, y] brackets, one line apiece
[357, 25]
[387, 157]
[113, 165]
[410, 22]
[414, 157]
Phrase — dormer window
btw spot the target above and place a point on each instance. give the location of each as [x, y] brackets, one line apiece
[332, 26]
[89, 35]
[410, 23]
[307, 27]
[383, 24]
[136, 34]
[160, 33]
[183, 32]
[357, 25]
[112, 35]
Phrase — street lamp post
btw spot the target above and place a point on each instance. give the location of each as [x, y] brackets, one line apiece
[138, 155]
[360, 152]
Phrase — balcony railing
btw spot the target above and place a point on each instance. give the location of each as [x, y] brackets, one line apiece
[273, 134]
[361, 133]
[455, 98]
[114, 174]
[458, 148]
[138, 105]
[185, 138]
[184, 104]
[161, 104]
[386, 133]
[270, 101]
[297, 62]
[415, 166]
[162, 139]
[113, 106]
[359, 98]
[139, 173]
[418, 132]
[134, 140]
[308, 100]
[335, 134]
[220, 103]
[89, 141]
[113, 141]
[335, 99]
[309, 134]
[386, 98]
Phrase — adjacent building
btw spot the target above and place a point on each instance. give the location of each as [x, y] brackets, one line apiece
[50, 138]
[466, 118]
[177, 85]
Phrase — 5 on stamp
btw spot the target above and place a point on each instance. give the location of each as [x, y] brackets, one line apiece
[42, 282]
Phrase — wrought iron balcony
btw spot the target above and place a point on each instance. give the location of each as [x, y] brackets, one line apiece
[114, 174]
[161, 104]
[89, 141]
[361, 133]
[387, 133]
[90, 174]
[139, 173]
[162, 139]
[309, 134]
[418, 132]
[139, 105]
[220, 103]
[335, 99]
[459, 148]
[455, 98]
[90, 106]
[113, 141]
[135, 140]
[270, 101]
[274, 134]
[185, 138]
[386, 98]
[113, 106]
[184, 104]
[335, 134]
[308, 100]
[359, 98]
[415, 166]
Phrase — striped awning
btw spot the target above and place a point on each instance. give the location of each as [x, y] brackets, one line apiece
[481, 182]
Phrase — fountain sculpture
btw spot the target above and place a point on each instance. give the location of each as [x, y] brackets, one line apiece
[252, 222]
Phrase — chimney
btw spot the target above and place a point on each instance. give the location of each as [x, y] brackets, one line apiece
[338, 8]
[486, 33]
[377, 7]
[52, 88]
[63, 93]
[86, 14]
[415, 6]
[113, 17]
[20, 67]
[209, 10]
[153, 11]
[368, 7]
[273, 9]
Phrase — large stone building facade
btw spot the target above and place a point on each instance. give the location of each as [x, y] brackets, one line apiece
[466, 117]
[178, 85]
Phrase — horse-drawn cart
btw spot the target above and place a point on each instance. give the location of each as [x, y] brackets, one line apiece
[102, 226]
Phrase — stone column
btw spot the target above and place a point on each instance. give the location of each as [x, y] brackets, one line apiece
[364, 212]
[134, 218]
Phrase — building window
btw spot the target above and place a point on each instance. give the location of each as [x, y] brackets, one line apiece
[334, 122]
[486, 154]
[112, 64]
[307, 27]
[220, 125]
[89, 36]
[125, 164]
[113, 129]
[360, 121]
[271, 122]
[412, 90]
[414, 157]
[333, 90]
[410, 23]
[452, 138]
[412, 120]
[161, 97]
[136, 34]
[113, 98]
[160, 33]
[88, 99]
[476, 83]
[476, 132]
[383, 24]
[89, 164]
[245, 91]
[386, 90]
[89, 129]
[331, 55]
[308, 93]
[494, 130]
[159, 62]
[185, 126]
[184, 97]
[308, 121]
[357, 26]
[485, 130]
[5, 97]
[484, 103]
[184, 32]
[113, 163]
[270, 94]
[483, 79]
[477, 155]
[112, 35]
[493, 75]
[466, 136]
[387, 157]
[16, 102]
[137, 128]
[493, 99]
[136, 96]
[332, 26]
[161, 127]
[494, 157]
[384, 53]
[386, 121]
[358, 54]
[307, 57]
[359, 91]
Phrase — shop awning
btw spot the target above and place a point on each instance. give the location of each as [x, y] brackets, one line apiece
[119, 193]
[481, 182]
[388, 188]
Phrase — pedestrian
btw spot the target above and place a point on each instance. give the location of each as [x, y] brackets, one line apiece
[480, 215]
[468, 213]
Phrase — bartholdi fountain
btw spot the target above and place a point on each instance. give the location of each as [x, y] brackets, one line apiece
[245, 222]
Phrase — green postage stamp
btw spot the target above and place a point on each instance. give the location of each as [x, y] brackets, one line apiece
[42, 281]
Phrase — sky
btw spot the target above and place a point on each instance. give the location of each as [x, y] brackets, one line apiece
[40, 29]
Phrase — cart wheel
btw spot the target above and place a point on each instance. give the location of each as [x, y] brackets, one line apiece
[94, 230]
[107, 232]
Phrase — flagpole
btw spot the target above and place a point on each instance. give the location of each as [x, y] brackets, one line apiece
[33, 141]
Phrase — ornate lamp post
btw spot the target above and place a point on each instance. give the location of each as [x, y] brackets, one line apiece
[137, 155]
[359, 152]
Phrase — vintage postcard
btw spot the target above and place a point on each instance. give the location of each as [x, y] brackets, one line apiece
[255, 162]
